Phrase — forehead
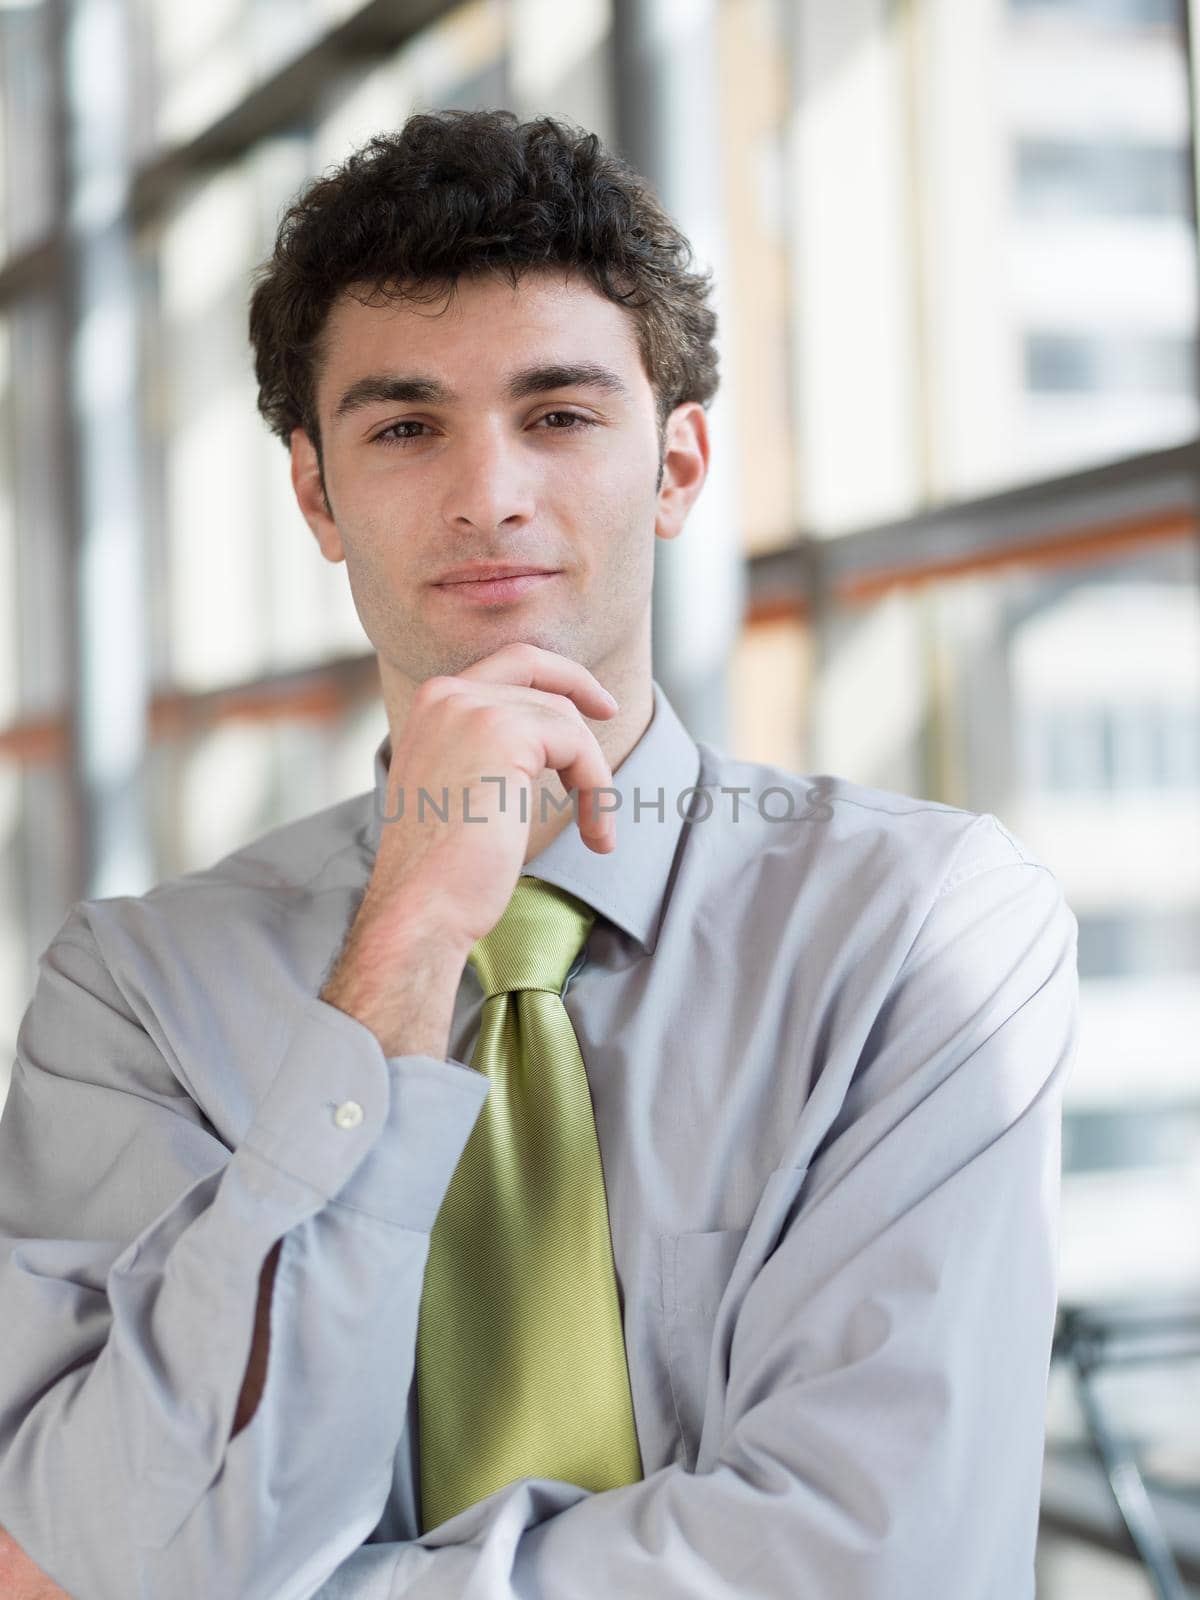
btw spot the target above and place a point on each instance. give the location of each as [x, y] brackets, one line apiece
[473, 335]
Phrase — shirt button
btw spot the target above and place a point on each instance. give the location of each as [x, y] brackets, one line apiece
[349, 1114]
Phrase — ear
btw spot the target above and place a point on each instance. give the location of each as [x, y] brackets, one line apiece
[685, 467]
[306, 481]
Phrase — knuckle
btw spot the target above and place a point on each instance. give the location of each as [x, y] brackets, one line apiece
[488, 716]
[430, 689]
[523, 650]
[562, 709]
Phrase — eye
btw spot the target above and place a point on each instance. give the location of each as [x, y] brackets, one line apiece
[571, 416]
[389, 435]
[575, 420]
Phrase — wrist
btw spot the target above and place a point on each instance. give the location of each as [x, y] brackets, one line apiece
[400, 984]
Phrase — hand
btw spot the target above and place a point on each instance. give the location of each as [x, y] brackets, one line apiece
[439, 885]
[509, 716]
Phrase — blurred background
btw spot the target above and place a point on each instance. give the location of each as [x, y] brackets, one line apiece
[948, 545]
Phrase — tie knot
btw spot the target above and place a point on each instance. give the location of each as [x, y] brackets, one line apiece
[535, 941]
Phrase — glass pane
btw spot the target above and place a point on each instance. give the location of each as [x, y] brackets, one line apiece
[264, 772]
[34, 595]
[10, 677]
[754, 330]
[35, 862]
[994, 256]
[853, 292]
[199, 61]
[1057, 236]
[769, 694]
[456, 62]
[26, 126]
[13, 994]
[244, 589]
[1067, 701]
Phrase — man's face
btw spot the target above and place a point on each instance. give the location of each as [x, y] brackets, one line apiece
[561, 474]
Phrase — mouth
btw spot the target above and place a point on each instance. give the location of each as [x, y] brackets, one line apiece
[494, 591]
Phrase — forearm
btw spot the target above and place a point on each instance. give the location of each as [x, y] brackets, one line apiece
[407, 1002]
[399, 979]
[21, 1578]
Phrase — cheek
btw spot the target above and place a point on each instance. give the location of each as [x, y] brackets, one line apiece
[624, 556]
[375, 566]
[622, 511]
[373, 533]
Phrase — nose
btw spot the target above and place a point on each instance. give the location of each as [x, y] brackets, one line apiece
[490, 483]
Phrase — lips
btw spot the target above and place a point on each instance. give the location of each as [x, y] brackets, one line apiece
[487, 574]
[490, 591]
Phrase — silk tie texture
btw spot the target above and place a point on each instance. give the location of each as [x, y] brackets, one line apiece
[521, 1366]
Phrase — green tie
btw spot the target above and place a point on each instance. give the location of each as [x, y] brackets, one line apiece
[521, 1368]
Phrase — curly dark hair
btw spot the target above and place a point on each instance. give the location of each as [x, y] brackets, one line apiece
[458, 192]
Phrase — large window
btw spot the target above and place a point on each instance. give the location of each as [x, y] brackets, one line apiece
[990, 284]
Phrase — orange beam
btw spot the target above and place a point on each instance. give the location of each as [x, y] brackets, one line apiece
[1058, 550]
[1055, 550]
[43, 741]
[38, 742]
[780, 608]
[173, 714]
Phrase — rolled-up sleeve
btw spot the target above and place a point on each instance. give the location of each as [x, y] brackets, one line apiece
[884, 1414]
[132, 1240]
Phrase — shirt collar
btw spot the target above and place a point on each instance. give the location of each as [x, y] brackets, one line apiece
[628, 885]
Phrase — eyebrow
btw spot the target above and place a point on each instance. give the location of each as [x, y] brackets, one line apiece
[416, 389]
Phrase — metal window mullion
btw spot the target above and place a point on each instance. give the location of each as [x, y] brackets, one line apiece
[109, 689]
[664, 63]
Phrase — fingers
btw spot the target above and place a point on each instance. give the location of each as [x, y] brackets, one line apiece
[571, 749]
[528, 666]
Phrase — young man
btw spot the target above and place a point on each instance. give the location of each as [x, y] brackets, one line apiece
[586, 1164]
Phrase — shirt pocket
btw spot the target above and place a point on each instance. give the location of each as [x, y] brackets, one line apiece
[696, 1268]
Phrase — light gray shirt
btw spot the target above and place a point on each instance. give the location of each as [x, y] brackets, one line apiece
[826, 1029]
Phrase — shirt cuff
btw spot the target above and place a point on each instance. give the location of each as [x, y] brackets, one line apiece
[382, 1134]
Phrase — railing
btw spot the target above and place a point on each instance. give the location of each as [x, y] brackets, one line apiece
[1092, 1339]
